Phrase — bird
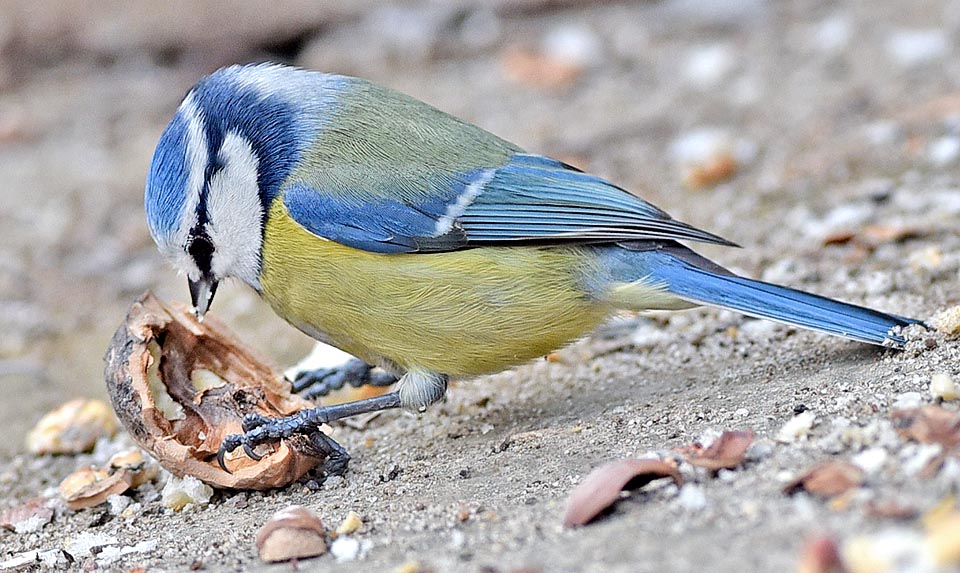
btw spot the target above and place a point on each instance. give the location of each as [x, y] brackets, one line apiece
[420, 244]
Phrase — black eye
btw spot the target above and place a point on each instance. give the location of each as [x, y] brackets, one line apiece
[201, 249]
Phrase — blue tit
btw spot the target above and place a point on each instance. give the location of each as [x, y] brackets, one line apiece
[420, 243]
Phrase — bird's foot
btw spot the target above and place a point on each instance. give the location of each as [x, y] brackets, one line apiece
[355, 372]
[259, 430]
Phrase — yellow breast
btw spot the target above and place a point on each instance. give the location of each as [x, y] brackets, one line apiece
[459, 313]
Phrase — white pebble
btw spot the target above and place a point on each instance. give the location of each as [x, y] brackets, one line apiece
[882, 133]
[345, 549]
[840, 218]
[759, 330]
[79, 547]
[698, 145]
[797, 427]
[832, 34]
[648, 336]
[943, 387]
[907, 400]
[51, 558]
[707, 66]
[692, 497]
[574, 44]
[944, 151]
[871, 461]
[912, 47]
[118, 503]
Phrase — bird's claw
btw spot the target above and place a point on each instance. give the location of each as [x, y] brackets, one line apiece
[247, 449]
[258, 430]
[228, 444]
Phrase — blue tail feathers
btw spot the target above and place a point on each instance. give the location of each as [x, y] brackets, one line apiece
[698, 280]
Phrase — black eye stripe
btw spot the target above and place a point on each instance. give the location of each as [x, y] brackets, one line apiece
[201, 249]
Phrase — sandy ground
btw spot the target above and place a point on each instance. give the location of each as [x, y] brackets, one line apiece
[840, 117]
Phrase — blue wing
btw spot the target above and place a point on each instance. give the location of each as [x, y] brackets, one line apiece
[529, 199]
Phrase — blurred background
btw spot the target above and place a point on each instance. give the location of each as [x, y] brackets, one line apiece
[786, 126]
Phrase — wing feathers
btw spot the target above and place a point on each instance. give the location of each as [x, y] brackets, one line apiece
[529, 199]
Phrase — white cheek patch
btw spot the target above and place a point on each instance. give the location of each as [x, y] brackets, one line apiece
[235, 212]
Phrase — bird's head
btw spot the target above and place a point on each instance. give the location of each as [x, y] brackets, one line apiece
[220, 163]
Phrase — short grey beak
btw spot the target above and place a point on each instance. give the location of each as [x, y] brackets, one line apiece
[201, 294]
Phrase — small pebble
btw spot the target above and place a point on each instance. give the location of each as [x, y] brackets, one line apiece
[797, 427]
[350, 524]
[948, 321]
[943, 387]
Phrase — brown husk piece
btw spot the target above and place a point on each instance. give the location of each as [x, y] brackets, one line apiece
[928, 425]
[726, 452]
[182, 421]
[828, 479]
[89, 487]
[602, 487]
[820, 554]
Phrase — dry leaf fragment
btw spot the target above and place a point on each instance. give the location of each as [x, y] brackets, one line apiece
[180, 386]
[820, 554]
[928, 425]
[828, 479]
[603, 485]
[726, 452]
[72, 428]
[27, 517]
[292, 533]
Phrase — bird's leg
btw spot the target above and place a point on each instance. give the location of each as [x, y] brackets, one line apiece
[418, 389]
[258, 430]
[355, 372]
